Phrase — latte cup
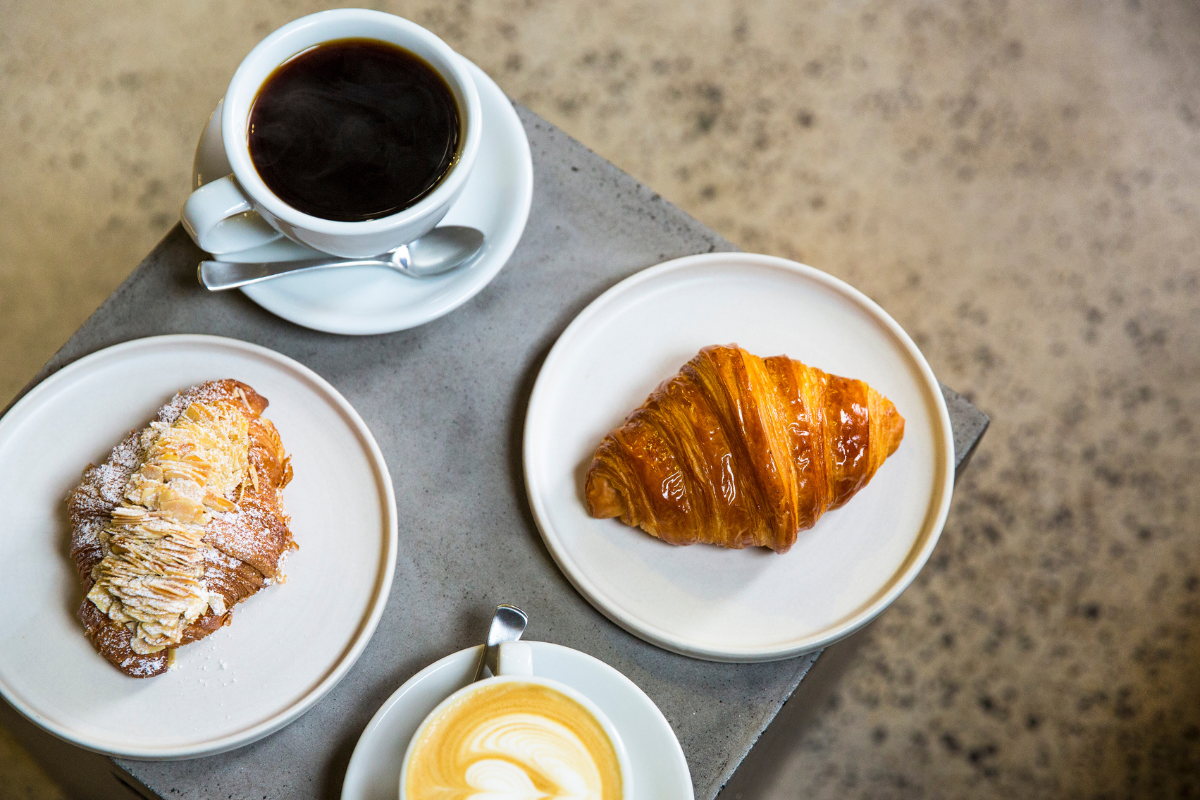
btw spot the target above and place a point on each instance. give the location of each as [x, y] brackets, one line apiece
[512, 746]
[228, 215]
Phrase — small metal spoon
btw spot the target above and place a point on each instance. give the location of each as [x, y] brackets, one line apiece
[439, 251]
[508, 624]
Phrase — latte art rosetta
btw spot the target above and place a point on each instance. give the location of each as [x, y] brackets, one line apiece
[514, 741]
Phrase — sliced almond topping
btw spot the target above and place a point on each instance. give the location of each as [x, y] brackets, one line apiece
[219, 504]
[151, 577]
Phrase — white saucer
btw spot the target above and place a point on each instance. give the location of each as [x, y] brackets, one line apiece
[705, 601]
[286, 647]
[496, 201]
[660, 771]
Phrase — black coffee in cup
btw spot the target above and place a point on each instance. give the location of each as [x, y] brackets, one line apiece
[354, 129]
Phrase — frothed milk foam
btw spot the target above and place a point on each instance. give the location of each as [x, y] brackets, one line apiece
[512, 740]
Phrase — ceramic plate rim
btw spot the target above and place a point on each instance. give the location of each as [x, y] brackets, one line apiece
[917, 556]
[409, 685]
[367, 626]
[499, 252]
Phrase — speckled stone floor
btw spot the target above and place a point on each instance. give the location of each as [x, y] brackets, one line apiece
[1018, 183]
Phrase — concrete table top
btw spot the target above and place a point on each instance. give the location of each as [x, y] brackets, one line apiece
[446, 402]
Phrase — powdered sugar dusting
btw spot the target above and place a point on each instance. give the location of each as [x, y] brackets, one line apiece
[102, 489]
[114, 473]
[222, 559]
[238, 528]
[139, 666]
[244, 534]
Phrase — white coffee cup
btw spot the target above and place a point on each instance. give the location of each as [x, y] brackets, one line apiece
[516, 665]
[227, 215]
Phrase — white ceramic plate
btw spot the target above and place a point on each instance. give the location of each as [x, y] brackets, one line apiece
[660, 771]
[705, 601]
[288, 644]
[495, 200]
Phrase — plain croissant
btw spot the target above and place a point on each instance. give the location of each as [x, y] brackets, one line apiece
[741, 451]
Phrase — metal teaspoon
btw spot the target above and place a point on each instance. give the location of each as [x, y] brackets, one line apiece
[437, 252]
[508, 624]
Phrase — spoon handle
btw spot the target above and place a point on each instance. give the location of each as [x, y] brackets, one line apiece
[217, 276]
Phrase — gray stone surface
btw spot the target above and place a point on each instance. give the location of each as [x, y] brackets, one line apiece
[969, 425]
[446, 403]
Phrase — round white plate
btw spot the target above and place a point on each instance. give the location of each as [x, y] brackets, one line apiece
[706, 601]
[660, 771]
[287, 645]
[363, 300]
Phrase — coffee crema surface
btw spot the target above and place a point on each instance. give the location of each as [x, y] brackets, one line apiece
[353, 130]
[512, 740]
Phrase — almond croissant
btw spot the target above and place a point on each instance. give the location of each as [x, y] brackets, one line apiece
[742, 451]
[182, 522]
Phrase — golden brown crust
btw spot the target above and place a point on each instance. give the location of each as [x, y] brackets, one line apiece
[741, 451]
[245, 545]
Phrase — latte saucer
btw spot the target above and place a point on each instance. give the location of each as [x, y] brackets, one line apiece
[365, 300]
[659, 768]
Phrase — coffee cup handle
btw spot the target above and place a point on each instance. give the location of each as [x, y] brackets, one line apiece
[220, 218]
[516, 658]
